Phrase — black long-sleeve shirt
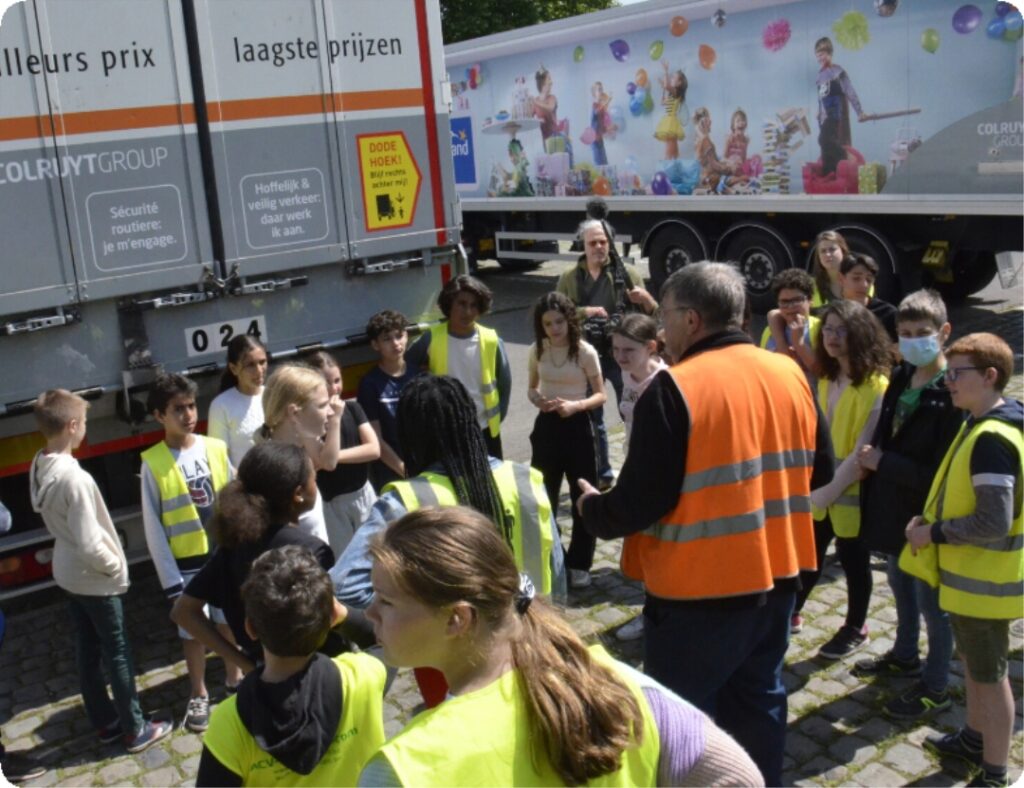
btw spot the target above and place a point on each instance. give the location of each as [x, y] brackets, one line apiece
[650, 480]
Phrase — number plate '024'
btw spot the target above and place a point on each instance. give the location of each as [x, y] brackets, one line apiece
[214, 338]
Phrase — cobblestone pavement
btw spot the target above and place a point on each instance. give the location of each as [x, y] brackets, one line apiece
[837, 734]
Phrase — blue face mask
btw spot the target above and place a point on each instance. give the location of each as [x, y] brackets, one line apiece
[920, 351]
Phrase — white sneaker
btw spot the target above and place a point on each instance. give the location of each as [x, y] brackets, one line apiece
[632, 630]
[579, 578]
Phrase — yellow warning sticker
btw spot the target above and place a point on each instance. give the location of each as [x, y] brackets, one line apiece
[391, 180]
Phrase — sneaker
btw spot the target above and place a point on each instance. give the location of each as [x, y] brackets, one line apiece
[846, 641]
[886, 665]
[986, 780]
[152, 732]
[917, 702]
[579, 578]
[952, 745]
[605, 483]
[197, 718]
[631, 631]
[18, 769]
[110, 733]
[796, 624]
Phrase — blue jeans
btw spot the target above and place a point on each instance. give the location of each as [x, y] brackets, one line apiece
[612, 373]
[728, 663]
[101, 644]
[915, 597]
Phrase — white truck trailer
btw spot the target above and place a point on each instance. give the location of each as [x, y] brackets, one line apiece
[174, 172]
[703, 124]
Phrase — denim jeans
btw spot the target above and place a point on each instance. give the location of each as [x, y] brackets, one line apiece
[612, 373]
[101, 644]
[914, 598]
[728, 663]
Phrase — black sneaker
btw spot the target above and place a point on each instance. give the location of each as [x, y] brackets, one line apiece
[952, 745]
[917, 702]
[886, 665]
[845, 642]
[110, 733]
[986, 780]
[18, 769]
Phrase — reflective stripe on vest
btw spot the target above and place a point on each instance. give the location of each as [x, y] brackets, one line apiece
[497, 744]
[488, 387]
[359, 733]
[179, 516]
[851, 414]
[521, 489]
[738, 524]
[978, 580]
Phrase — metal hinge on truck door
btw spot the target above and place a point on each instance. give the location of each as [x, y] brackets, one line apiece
[40, 322]
[362, 267]
[269, 285]
[175, 299]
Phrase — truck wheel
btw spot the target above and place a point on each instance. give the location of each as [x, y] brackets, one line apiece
[972, 272]
[759, 255]
[671, 249]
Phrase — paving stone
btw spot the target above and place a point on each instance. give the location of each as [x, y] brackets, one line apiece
[118, 772]
[819, 728]
[846, 709]
[801, 748]
[187, 744]
[877, 774]
[852, 749]
[154, 757]
[818, 766]
[12, 730]
[906, 758]
[161, 777]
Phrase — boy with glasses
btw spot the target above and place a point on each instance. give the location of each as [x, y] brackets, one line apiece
[973, 518]
[793, 290]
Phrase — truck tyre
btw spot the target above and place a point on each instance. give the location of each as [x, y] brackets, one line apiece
[673, 247]
[759, 255]
[972, 272]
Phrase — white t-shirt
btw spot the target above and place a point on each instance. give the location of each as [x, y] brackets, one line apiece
[313, 522]
[464, 365]
[631, 391]
[561, 377]
[234, 418]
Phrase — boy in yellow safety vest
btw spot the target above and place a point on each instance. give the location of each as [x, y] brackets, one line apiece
[972, 516]
[181, 476]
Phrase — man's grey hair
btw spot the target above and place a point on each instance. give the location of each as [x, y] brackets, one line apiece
[594, 224]
[715, 290]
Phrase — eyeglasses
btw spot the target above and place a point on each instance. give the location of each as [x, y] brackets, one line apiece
[835, 331]
[788, 302]
[953, 373]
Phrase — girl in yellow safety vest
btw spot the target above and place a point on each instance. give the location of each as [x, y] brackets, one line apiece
[529, 703]
[853, 359]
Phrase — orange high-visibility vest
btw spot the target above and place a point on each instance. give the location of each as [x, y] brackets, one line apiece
[743, 518]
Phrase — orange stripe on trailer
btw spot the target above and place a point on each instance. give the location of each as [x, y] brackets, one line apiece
[314, 104]
[36, 126]
[16, 452]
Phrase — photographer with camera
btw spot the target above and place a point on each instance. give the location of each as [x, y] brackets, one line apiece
[604, 290]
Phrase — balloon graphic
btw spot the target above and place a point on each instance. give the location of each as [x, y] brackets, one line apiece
[930, 40]
[656, 50]
[602, 186]
[966, 19]
[718, 18]
[1014, 25]
[707, 57]
[620, 50]
[776, 35]
[577, 54]
[648, 103]
[1002, 9]
[996, 28]
[589, 136]
[641, 78]
[631, 88]
[678, 26]
[660, 184]
[636, 105]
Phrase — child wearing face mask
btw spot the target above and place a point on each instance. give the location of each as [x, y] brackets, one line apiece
[917, 425]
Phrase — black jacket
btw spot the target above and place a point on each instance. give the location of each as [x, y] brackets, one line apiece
[894, 493]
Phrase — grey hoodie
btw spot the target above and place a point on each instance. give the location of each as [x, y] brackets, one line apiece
[87, 556]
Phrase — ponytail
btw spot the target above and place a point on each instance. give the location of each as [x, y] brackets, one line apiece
[580, 709]
[586, 716]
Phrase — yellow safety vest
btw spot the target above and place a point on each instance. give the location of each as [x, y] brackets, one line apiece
[815, 332]
[438, 356]
[980, 581]
[484, 738]
[818, 301]
[851, 414]
[522, 493]
[184, 529]
[360, 733]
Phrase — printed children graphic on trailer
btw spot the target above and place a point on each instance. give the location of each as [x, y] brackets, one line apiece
[673, 98]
